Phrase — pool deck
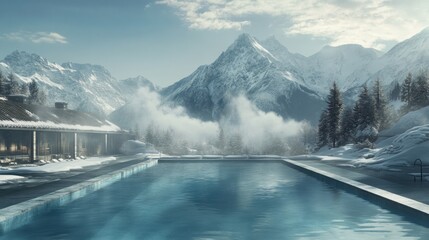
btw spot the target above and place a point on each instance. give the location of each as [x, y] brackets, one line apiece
[54, 181]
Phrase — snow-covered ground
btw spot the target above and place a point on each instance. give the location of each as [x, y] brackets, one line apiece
[11, 179]
[58, 165]
[403, 150]
[399, 151]
[409, 120]
[12, 175]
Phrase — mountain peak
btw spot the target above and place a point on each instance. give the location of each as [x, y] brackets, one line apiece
[22, 57]
[243, 39]
[347, 49]
[246, 44]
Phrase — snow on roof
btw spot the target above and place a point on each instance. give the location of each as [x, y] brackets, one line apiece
[24, 116]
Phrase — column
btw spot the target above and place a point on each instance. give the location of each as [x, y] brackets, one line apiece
[74, 152]
[106, 144]
[34, 146]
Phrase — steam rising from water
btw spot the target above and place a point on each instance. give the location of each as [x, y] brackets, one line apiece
[151, 111]
[256, 128]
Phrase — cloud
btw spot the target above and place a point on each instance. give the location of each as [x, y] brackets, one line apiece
[35, 37]
[370, 23]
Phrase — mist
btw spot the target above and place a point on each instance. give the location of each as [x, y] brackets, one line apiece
[243, 128]
[259, 130]
[151, 112]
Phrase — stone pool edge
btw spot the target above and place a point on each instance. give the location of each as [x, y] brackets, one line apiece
[17, 215]
[383, 196]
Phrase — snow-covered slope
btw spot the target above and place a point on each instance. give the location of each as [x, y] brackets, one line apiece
[247, 68]
[402, 151]
[412, 119]
[338, 64]
[85, 87]
[409, 56]
[290, 84]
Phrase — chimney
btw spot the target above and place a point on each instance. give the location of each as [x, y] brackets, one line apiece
[61, 105]
[18, 98]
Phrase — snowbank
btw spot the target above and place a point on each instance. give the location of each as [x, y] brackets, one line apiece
[10, 178]
[403, 150]
[408, 121]
[60, 166]
[347, 152]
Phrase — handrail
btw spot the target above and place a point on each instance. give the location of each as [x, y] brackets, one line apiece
[421, 169]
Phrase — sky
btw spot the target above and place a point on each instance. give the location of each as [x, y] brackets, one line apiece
[166, 40]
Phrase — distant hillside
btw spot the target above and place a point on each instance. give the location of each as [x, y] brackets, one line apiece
[85, 87]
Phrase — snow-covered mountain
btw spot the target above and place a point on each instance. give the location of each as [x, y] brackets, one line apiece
[247, 68]
[130, 86]
[409, 56]
[271, 77]
[337, 64]
[85, 87]
[292, 85]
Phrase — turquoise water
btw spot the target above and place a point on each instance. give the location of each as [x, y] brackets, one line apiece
[218, 200]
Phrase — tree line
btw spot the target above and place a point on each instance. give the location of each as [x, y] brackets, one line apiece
[9, 85]
[340, 124]
[227, 142]
[414, 92]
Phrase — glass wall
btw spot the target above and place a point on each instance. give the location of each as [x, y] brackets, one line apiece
[15, 146]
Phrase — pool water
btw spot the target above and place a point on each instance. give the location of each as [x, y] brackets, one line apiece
[220, 200]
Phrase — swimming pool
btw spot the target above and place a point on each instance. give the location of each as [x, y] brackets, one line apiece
[220, 200]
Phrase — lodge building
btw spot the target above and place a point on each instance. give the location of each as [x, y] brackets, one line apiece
[34, 133]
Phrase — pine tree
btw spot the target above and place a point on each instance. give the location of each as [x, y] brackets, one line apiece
[41, 100]
[2, 84]
[380, 105]
[221, 140]
[334, 109]
[366, 109]
[406, 90]
[365, 117]
[13, 84]
[7, 87]
[34, 92]
[23, 89]
[150, 136]
[323, 129]
[420, 92]
[167, 141]
[395, 94]
[347, 126]
[235, 145]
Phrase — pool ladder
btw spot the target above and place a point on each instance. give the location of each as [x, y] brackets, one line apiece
[419, 162]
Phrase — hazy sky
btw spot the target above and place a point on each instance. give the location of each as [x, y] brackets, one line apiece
[165, 40]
